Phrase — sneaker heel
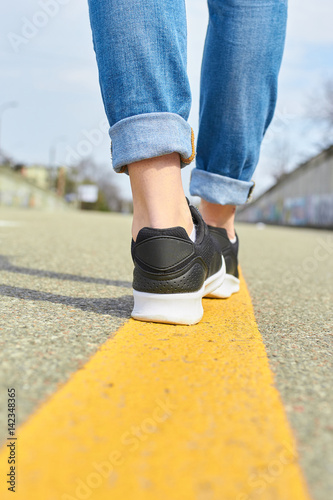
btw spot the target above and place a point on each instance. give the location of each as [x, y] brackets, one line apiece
[229, 286]
[177, 308]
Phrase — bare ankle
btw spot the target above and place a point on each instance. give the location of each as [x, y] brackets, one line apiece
[158, 196]
[219, 216]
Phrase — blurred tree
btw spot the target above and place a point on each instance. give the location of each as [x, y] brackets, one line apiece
[5, 160]
[101, 203]
[18, 167]
[320, 111]
[70, 184]
[282, 155]
[88, 172]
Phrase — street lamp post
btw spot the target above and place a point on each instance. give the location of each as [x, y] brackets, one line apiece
[53, 149]
[53, 156]
[3, 108]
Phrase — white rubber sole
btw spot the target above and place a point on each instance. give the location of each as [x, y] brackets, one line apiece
[175, 308]
[229, 286]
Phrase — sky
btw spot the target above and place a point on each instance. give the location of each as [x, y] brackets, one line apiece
[48, 69]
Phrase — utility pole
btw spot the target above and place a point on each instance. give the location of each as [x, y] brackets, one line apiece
[53, 157]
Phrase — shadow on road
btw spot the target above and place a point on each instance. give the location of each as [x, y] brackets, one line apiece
[5, 265]
[120, 307]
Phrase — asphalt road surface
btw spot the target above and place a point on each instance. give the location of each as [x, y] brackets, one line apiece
[65, 289]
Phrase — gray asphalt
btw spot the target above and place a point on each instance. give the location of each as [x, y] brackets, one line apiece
[66, 287]
[289, 273]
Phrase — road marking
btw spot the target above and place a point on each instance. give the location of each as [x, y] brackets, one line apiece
[9, 223]
[165, 412]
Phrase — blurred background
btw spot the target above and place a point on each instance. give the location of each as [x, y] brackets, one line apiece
[54, 143]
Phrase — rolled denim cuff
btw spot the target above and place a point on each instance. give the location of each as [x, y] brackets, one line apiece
[148, 135]
[219, 189]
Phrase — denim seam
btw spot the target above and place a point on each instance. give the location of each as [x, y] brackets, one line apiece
[188, 160]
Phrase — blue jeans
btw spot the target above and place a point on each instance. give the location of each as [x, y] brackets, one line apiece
[141, 50]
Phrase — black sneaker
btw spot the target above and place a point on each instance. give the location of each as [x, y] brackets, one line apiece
[172, 274]
[229, 251]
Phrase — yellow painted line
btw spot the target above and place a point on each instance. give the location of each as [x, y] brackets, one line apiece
[165, 412]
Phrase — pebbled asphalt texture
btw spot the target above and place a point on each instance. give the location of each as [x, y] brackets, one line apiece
[66, 287]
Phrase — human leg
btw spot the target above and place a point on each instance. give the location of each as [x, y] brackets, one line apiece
[242, 57]
[158, 196]
[241, 61]
[141, 54]
[217, 215]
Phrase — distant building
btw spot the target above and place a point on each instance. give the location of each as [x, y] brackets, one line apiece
[304, 197]
[39, 175]
[19, 192]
